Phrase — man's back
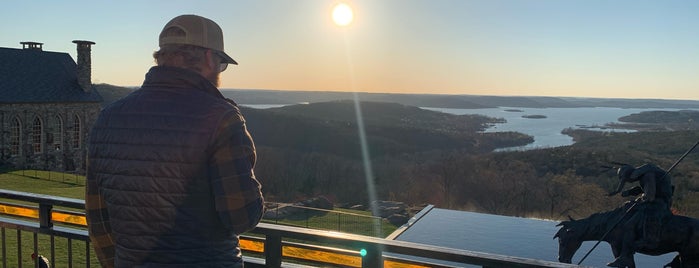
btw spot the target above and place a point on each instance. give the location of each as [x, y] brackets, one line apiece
[170, 180]
[150, 155]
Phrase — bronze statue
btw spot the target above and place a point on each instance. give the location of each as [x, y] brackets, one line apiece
[645, 225]
[679, 234]
[650, 211]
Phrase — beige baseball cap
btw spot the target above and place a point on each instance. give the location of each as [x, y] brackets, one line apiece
[197, 31]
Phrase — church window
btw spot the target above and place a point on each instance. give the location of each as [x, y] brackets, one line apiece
[77, 133]
[37, 133]
[15, 136]
[57, 133]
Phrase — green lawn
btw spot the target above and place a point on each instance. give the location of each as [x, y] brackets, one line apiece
[44, 182]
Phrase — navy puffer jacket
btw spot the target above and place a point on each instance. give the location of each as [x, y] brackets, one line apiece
[150, 150]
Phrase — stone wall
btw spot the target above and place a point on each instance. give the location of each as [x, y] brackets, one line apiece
[58, 151]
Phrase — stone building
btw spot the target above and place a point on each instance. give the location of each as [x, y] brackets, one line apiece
[47, 106]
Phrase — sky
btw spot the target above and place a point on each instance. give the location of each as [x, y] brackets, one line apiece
[566, 48]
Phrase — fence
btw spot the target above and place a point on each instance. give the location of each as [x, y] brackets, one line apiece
[323, 219]
[322, 248]
[57, 176]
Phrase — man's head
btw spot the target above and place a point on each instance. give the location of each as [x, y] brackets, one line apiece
[193, 42]
[624, 174]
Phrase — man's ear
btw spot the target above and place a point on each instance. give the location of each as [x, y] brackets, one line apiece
[210, 62]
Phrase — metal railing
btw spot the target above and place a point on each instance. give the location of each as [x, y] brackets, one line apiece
[268, 245]
[324, 219]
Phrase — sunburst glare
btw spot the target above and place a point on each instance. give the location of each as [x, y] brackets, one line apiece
[342, 14]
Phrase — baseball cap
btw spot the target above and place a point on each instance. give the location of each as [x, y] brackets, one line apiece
[196, 31]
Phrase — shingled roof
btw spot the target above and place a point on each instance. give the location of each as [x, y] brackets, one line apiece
[36, 76]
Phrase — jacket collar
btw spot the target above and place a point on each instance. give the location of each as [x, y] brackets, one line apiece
[175, 77]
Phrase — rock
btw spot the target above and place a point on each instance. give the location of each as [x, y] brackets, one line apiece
[316, 202]
[358, 207]
[388, 208]
[398, 219]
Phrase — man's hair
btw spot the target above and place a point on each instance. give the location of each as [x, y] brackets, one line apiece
[184, 56]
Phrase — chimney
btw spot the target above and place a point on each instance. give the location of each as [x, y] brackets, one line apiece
[32, 45]
[84, 64]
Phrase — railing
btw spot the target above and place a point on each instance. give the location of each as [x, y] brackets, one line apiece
[324, 219]
[269, 245]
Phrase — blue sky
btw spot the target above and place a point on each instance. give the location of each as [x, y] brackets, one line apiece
[591, 48]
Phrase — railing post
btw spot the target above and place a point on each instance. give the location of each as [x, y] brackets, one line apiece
[45, 215]
[273, 250]
[373, 257]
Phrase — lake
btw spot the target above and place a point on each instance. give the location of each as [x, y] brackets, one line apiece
[547, 131]
[521, 237]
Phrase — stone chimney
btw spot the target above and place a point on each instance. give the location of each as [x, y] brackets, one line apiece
[84, 64]
[32, 45]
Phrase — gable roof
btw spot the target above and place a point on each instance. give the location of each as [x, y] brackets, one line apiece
[35, 76]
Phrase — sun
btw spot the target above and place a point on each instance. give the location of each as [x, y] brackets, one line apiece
[342, 14]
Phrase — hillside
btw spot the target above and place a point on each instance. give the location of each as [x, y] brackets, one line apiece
[111, 93]
[331, 127]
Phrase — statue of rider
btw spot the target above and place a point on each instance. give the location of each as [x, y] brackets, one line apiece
[651, 208]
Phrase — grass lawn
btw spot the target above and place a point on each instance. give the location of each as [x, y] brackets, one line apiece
[44, 182]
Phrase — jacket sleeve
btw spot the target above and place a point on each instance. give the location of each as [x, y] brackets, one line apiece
[237, 193]
[98, 226]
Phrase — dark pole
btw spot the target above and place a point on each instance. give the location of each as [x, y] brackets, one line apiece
[634, 204]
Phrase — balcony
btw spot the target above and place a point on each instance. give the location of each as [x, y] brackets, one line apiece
[55, 228]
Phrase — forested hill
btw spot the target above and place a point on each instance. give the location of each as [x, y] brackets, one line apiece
[331, 127]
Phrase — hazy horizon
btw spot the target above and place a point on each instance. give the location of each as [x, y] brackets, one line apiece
[579, 48]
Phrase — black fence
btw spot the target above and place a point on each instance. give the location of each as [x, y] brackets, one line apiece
[270, 241]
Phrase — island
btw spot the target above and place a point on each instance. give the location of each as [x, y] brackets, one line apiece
[534, 116]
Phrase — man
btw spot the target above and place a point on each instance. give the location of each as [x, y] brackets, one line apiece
[654, 204]
[170, 179]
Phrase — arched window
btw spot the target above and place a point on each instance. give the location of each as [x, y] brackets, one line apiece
[37, 133]
[15, 136]
[57, 133]
[76, 132]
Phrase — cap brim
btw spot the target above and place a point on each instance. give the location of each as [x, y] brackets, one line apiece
[226, 58]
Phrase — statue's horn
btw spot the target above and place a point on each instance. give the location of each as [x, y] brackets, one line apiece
[571, 218]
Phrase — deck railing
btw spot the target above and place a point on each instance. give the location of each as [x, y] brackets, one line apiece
[269, 245]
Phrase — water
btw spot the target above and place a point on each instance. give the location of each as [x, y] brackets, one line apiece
[547, 131]
[521, 237]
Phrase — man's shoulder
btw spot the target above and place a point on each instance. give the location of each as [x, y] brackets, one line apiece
[647, 169]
